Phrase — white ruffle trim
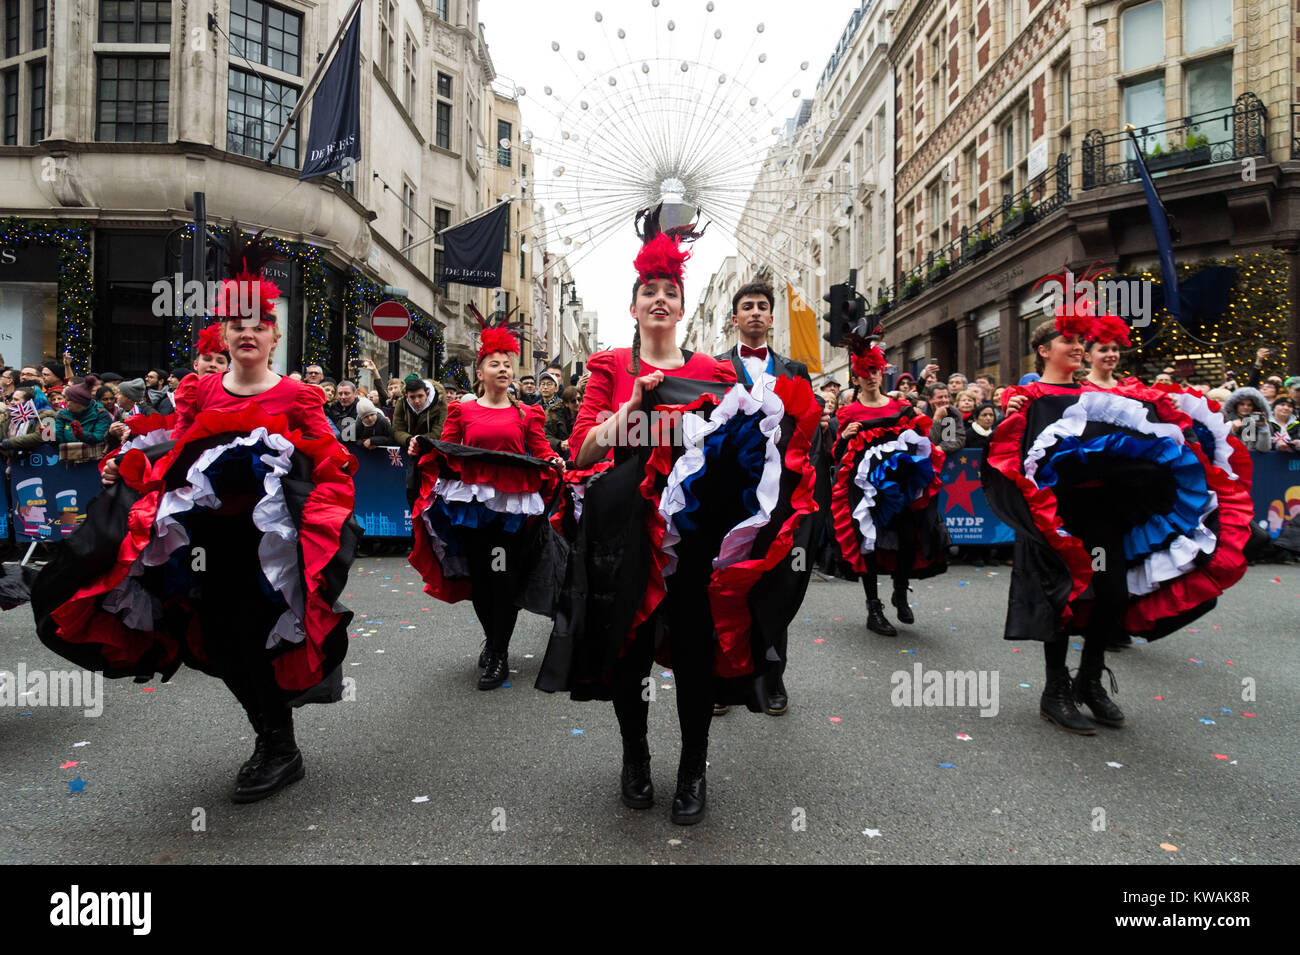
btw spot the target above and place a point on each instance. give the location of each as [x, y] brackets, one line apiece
[277, 553]
[1197, 408]
[761, 400]
[513, 502]
[453, 489]
[148, 439]
[1121, 411]
[1180, 556]
[907, 441]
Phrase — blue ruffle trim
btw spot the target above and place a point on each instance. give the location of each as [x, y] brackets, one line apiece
[1192, 496]
[741, 435]
[447, 515]
[898, 478]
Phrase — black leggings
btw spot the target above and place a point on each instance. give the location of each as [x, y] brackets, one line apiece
[495, 567]
[690, 621]
[236, 616]
[905, 526]
[1110, 600]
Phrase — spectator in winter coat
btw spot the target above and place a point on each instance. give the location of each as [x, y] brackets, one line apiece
[344, 407]
[82, 418]
[1247, 411]
[559, 421]
[373, 429]
[143, 399]
[981, 425]
[1285, 427]
[421, 414]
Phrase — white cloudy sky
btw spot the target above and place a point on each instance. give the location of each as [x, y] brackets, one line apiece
[520, 33]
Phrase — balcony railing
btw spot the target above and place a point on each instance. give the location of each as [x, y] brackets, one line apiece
[1295, 130]
[1046, 194]
[1223, 135]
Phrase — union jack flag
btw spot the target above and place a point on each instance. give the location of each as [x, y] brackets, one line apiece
[20, 416]
[395, 457]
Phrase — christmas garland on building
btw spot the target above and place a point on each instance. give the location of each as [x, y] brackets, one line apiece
[76, 283]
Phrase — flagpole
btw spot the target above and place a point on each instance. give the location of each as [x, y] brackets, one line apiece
[477, 215]
[310, 88]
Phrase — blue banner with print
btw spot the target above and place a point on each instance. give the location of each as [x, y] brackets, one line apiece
[381, 491]
[962, 505]
[1275, 489]
[47, 497]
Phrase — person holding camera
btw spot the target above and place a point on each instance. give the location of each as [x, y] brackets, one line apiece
[1247, 412]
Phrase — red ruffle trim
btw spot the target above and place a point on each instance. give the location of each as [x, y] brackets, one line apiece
[730, 587]
[325, 511]
[565, 519]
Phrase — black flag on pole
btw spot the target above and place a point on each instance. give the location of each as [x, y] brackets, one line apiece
[335, 137]
[474, 250]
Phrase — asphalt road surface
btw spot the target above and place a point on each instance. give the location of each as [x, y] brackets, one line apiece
[423, 768]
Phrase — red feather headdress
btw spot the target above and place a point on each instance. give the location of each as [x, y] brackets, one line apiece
[662, 255]
[865, 360]
[212, 340]
[1075, 317]
[245, 260]
[496, 340]
[1109, 328]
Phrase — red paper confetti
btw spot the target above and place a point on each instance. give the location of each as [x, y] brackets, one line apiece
[839, 618]
[1251, 715]
[1015, 649]
[1277, 580]
[1219, 756]
[1160, 698]
[69, 765]
[836, 719]
[1228, 663]
[149, 689]
[820, 640]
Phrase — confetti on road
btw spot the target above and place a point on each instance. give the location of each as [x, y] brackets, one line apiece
[1113, 765]
[1224, 710]
[1168, 847]
[69, 765]
[674, 842]
[1015, 649]
[505, 684]
[962, 583]
[906, 651]
[1208, 722]
[871, 833]
[963, 737]
[76, 785]
[1160, 698]
[416, 799]
[575, 732]
[947, 766]
[1194, 660]
[84, 742]
[820, 640]
[1250, 715]
[837, 719]
[839, 618]
[1219, 756]
[148, 689]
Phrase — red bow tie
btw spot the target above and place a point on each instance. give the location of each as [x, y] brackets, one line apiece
[747, 352]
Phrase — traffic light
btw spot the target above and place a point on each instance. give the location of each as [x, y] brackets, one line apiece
[839, 317]
[858, 316]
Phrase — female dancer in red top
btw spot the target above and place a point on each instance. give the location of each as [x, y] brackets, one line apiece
[1128, 518]
[227, 551]
[884, 502]
[473, 513]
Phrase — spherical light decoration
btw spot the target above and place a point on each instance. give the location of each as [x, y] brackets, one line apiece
[775, 131]
[622, 34]
[709, 6]
[555, 46]
[753, 101]
[645, 67]
[722, 79]
[685, 66]
[817, 234]
[581, 56]
[761, 27]
[835, 114]
[521, 91]
[803, 65]
[558, 171]
[762, 57]
[671, 26]
[843, 222]
[504, 143]
[546, 90]
[795, 94]
[821, 271]
[613, 81]
[717, 34]
[568, 241]
[654, 3]
[583, 104]
[789, 203]
[523, 247]
[794, 276]
[599, 17]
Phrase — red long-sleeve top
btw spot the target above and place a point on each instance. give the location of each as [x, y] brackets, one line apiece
[611, 384]
[498, 429]
[303, 404]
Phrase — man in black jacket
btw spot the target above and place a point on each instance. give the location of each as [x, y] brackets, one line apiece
[751, 313]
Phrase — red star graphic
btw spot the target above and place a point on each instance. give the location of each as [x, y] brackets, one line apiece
[959, 492]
